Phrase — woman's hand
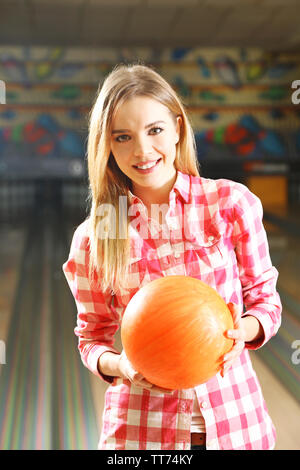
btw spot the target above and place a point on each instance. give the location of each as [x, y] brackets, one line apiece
[246, 330]
[238, 334]
[128, 372]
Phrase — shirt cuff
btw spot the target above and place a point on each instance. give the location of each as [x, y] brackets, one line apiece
[93, 361]
[266, 324]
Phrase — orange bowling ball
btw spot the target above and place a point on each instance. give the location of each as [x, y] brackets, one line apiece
[173, 332]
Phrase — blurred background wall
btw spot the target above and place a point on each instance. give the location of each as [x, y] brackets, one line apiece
[234, 65]
[239, 101]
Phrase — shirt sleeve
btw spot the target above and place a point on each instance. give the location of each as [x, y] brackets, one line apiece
[257, 275]
[97, 321]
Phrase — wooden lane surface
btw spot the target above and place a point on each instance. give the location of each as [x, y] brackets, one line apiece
[45, 393]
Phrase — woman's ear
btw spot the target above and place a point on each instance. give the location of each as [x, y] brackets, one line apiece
[178, 127]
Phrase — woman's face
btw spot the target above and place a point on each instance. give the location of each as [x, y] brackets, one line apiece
[143, 142]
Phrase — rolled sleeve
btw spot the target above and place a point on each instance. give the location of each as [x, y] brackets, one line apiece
[257, 275]
[97, 321]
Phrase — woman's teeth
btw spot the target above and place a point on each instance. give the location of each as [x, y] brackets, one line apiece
[148, 165]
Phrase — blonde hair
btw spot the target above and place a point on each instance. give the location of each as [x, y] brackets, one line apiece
[109, 258]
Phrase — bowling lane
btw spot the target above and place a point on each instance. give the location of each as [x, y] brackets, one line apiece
[280, 353]
[283, 407]
[45, 393]
[16, 200]
[276, 363]
[11, 249]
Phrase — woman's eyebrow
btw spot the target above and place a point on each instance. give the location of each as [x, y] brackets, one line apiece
[117, 131]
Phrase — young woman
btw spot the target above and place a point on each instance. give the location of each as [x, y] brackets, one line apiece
[144, 176]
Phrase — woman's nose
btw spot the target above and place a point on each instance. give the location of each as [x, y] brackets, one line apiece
[142, 146]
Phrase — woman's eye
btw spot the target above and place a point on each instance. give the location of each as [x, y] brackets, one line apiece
[121, 138]
[155, 128]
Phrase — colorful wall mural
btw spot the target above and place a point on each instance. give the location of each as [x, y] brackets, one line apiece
[239, 102]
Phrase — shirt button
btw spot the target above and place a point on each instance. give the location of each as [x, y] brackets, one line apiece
[177, 254]
[203, 404]
[211, 238]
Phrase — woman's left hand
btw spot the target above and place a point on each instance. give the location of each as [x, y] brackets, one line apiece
[238, 334]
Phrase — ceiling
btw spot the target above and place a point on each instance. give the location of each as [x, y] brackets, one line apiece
[267, 24]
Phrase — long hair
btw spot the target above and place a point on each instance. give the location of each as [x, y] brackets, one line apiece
[109, 257]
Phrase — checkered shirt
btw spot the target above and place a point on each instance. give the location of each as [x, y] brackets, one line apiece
[214, 232]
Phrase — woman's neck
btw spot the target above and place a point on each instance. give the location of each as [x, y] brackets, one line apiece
[158, 195]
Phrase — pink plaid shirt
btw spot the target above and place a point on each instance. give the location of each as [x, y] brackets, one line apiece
[215, 233]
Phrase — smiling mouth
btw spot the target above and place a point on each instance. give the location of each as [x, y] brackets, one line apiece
[147, 166]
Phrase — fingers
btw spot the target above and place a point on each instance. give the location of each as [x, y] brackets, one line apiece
[236, 335]
[231, 356]
[140, 381]
[137, 379]
[234, 352]
[236, 313]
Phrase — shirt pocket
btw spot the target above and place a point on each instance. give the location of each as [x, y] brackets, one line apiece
[206, 251]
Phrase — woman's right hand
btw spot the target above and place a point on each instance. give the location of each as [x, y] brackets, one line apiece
[136, 378]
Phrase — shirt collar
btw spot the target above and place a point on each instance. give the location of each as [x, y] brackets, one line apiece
[181, 185]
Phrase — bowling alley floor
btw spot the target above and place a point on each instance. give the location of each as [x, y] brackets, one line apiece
[48, 399]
